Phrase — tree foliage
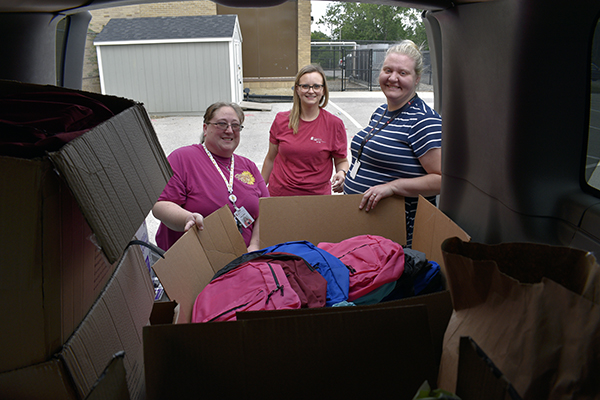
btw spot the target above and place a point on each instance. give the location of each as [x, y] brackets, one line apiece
[366, 21]
[318, 35]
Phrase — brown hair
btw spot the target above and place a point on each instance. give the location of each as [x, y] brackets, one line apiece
[213, 108]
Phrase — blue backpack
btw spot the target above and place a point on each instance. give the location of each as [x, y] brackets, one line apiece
[329, 266]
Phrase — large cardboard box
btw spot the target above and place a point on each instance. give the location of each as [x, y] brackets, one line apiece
[112, 328]
[299, 352]
[66, 220]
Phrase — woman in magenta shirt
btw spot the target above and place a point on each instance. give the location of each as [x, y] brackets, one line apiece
[307, 145]
[209, 175]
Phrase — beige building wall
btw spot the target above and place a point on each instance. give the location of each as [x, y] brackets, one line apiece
[91, 80]
[284, 87]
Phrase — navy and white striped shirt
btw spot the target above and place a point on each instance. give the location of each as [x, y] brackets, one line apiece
[393, 152]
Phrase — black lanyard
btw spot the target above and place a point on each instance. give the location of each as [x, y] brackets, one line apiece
[373, 132]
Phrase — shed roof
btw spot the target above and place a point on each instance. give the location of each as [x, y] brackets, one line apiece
[167, 28]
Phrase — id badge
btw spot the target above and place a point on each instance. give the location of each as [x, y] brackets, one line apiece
[243, 217]
[354, 169]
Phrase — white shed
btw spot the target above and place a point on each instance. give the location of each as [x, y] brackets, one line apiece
[174, 65]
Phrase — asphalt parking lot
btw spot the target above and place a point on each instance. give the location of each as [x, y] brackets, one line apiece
[354, 108]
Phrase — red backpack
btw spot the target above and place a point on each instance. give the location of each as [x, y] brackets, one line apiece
[373, 261]
[253, 282]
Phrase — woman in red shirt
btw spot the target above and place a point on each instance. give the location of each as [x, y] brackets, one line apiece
[307, 145]
[207, 176]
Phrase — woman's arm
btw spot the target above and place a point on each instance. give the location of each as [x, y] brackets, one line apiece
[341, 168]
[268, 163]
[426, 185]
[255, 239]
[176, 217]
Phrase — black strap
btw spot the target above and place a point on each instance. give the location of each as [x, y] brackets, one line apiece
[369, 135]
[151, 246]
[258, 254]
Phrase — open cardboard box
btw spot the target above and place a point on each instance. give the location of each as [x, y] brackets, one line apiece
[391, 348]
[67, 218]
[113, 327]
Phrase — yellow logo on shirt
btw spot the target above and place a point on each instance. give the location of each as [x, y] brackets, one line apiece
[246, 177]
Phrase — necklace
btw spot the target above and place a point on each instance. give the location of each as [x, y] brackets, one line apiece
[228, 183]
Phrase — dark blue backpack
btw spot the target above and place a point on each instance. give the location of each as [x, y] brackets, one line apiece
[329, 266]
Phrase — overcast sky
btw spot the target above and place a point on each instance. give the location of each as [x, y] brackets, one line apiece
[317, 11]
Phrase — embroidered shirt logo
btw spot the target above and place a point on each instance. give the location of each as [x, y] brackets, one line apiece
[246, 177]
[317, 140]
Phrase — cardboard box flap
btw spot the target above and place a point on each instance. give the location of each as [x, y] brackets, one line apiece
[112, 384]
[51, 380]
[311, 218]
[116, 178]
[432, 227]
[113, 324]
[439, 311]
[192, 261]
[299, 356]
[221, 239]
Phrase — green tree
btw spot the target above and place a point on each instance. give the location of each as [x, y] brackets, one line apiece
[319, 36]
[366, 21]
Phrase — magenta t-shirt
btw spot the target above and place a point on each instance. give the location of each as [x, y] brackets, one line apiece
[197, 186]
[304, 162]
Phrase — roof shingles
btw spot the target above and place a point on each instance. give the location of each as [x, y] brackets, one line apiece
[167, 28]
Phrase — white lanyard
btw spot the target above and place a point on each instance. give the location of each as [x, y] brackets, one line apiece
[232, 197]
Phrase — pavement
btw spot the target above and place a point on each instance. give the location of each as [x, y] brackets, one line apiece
[354, 108]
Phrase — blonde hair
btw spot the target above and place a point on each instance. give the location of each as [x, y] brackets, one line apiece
[297, 107]
[410, 49]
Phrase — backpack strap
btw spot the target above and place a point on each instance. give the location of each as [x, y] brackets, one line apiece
[151, 246]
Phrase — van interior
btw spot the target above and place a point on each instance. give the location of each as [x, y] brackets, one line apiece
[517, 83]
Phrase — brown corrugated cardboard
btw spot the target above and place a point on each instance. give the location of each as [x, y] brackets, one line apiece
[228, 355]
[112, 384]
[328, 219]
[439, 311]
[355, 354]
[114, 324]
[47, 380]
[191, 267]
[51, 269]
[66, 219]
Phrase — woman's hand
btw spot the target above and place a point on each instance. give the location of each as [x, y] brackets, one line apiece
[374, 194]
[176, 217]
[194, 219]
[338, 182]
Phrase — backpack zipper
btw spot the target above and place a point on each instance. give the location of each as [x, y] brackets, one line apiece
[228, 311]
[350, 268]
[279, 287]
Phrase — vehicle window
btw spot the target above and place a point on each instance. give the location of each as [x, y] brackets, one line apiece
[592, 168]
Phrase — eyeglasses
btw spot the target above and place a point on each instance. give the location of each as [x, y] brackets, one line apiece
[316, 87]
[224, 125]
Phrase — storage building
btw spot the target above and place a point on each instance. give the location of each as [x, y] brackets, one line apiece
[174, 65]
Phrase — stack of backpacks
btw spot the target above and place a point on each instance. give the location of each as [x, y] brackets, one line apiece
[361, 270]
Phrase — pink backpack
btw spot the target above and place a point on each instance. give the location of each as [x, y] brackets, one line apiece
[252, 282]
[372, 260]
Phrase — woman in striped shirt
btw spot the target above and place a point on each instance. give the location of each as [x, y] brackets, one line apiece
[399, 152]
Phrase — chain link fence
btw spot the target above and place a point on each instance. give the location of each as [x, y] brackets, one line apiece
[357, 68]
